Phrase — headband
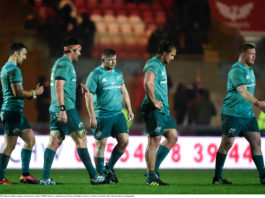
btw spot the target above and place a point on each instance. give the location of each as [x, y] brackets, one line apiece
[72, 47]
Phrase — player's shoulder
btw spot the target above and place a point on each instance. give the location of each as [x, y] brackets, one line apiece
[152, 62]
[118, 71]
[64, 62]
[237, 67]
[10, 67]
[97, 71]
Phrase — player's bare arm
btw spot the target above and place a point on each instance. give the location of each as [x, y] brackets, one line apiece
[90, 110]
[127, 101]
[59, 92]
[242, 89]
[19, 93]
[149, 86]
[84, 89]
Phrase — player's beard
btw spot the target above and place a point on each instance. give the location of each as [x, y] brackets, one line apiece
[109, 67]
[165, 62]
[19, 63]
[249, 63]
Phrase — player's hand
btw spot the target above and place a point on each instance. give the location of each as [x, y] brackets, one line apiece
[84, 89]
[262, 106]
[130, 116]
[158, 105]
[93, 123]
[63, 117]
[39, 89]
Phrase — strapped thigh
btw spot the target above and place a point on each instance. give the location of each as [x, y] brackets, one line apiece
[58, 134]
[78, 134]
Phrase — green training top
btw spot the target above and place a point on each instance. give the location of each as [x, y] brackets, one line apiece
[161, 91]
[234, 103]
[63, 69]
[10, 74]
[106, 89]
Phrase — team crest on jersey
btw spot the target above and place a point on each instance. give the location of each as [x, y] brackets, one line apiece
[158, 129]
[231, 131]
[247, 77]
[16, 130]
[119, 77]
[98, 133]
[80, 125]
[163, 73]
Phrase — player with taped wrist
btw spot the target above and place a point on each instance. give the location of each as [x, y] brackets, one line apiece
[12, 116]
[237, 115]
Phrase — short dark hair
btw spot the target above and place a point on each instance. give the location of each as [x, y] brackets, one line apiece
[68, 42]
[108, 52]
[244, 48]
[16, 47]
[165, 46]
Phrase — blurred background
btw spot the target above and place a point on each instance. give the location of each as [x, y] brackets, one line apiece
[207, 34]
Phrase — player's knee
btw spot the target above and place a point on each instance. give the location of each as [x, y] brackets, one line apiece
[224, 148]
[255, 145]
[54, 143]
[29, 144]
[174, 137]
[124, 143]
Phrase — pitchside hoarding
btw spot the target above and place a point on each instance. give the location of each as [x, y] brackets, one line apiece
[188, 153]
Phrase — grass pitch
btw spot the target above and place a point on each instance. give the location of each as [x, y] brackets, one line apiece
[133, 182]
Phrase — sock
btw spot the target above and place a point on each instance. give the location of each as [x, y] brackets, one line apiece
[99, 161]
[219, 164]
[115, 156]
[25, 158]
[84, 156]
[48, 159]
[161, 154]
[4, 159]
[258, 160]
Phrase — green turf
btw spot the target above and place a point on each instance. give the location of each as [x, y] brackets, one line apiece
[133, 182]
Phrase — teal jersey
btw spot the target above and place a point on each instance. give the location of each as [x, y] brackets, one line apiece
[234, 103]
[161, 91]
[11, 74]
[106, 89]
[63, 69]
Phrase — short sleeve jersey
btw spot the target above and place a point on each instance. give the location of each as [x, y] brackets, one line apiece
[234, 103]
[161, 90]
[10, 74]
[63, 69]
[106, 89]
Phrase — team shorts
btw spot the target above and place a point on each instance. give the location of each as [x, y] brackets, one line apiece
[237, 126]
[14, 122]
[74, 122]
[110, 126]
[157, 123]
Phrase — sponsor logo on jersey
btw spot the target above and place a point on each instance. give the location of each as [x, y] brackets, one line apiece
[104, 80]
[112, 87]
[231, 131]
[119, 77]
[158, 129]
